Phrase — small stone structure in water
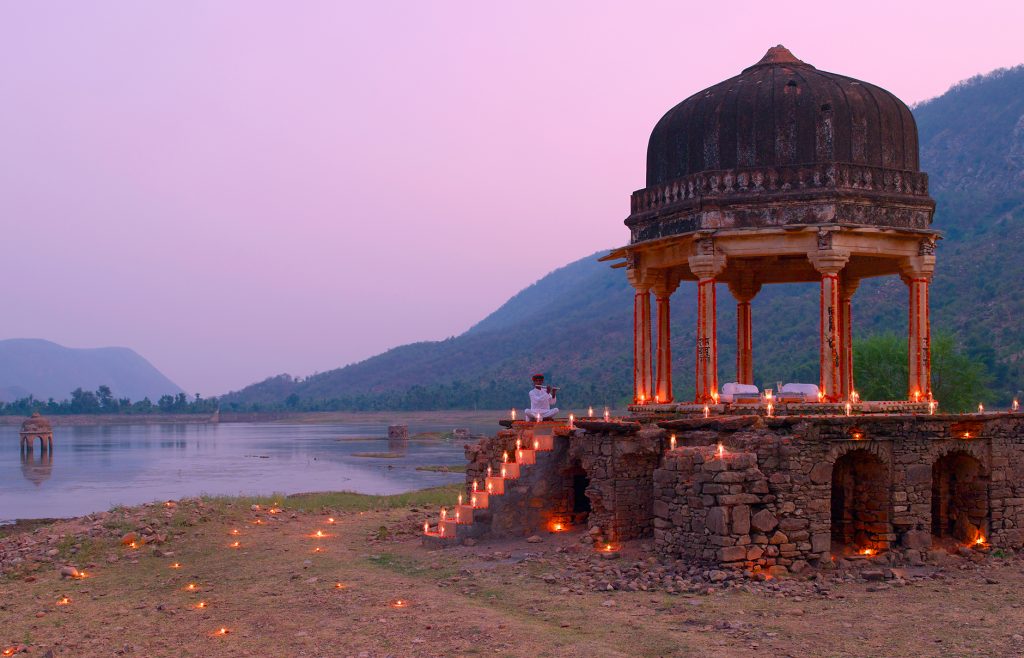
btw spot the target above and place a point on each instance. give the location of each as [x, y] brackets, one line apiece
[34, 428]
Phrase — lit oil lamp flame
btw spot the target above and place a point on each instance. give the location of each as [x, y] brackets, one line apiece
[318, 549]
[607, 548]
[572, 420]
[857, 436]
[967, 435]
[490, 487]
[472, 500]
[1016, 405]
[917, 396]
[590, 412]
[867, 552]
[9, 651]
[257, 522]
[607, 414]
[274, 510]
[513, 414]
[319, 534]
[721, 451]
[460, 500]
[426, 527]
[339, 585]
[220, 632]
[641, 398]
[979, 540]
[201, 605]
[133, 544]
[81, 575]
[330, 520]
[707, 411]
[234, 531]
[503, 471]
[474, 485]
[714, 396]
[657, 399]
[399, 603]
[191, 587]
[932, 404]
[235, 544]
[854, 397]
[672, 442]
[175, 565]
[63, 601]
[849, 409]
[821, 396]
[557, 527]
[488, 471]
[536, 444]
[444, 513]
[771, 409]
[504, 457]
[519, 444]
[169, 503]
[440, 530]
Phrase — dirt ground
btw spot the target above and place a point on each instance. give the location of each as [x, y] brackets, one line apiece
[277, 595]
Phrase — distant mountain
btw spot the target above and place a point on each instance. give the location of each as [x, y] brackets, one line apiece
[575, 324]
[48, 370]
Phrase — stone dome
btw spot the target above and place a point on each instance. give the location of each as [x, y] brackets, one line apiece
[783, 112]
[36, 424]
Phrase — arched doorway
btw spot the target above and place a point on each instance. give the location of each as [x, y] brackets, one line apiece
[959, 498]
[860, 503]
[579, 503]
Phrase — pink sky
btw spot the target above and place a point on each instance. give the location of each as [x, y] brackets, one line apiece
[239, 189]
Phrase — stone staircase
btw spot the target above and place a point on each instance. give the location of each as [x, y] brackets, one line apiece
[471, 516]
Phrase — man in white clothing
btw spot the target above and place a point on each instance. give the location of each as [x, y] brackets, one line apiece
[541, 400]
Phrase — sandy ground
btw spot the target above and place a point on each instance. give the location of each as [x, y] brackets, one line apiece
[276, 595]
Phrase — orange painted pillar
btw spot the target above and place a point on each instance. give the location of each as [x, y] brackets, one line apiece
[642, 384]
[706, 266]
[829, 263]
[847, 287]
[744, 292]
[920, 353]
[707, 341]
[663, 387]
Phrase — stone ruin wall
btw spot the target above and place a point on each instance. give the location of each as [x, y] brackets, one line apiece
[768, 503]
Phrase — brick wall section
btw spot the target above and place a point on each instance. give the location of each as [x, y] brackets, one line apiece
[621, 470]
[768, 504]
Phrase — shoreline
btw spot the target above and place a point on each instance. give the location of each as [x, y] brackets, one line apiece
[298, 417]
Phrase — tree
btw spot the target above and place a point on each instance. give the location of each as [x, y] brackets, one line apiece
[959, 382]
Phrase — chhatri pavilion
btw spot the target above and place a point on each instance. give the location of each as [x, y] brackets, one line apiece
[781, 174]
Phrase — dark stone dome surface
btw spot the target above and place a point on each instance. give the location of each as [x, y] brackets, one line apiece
[778, 112]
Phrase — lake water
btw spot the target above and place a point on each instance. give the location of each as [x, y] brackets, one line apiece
[96, 467]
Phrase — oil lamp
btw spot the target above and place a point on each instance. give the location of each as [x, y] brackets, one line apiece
[1016, 405]
[849, 408]
[607, 415]
[714, 396]
[426, 527]
[771, 409]
[657, 399]
[63, 601]
[721, 451]
[201, 605]
[981, 408]
[9, 651]
[474, 485]
[672, 442]
[641, 398]
[221, 632]
[175, 565]
[572, 420]
[235, 532]
[590, 412]
[191, 587]
[932, 404]
[707, 411]
[339, 585]
[399, 603]
[513, 414]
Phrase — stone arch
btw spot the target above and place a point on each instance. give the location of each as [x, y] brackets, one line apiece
[975, 449]
[960, 495]
[860, 492]
[880, 449]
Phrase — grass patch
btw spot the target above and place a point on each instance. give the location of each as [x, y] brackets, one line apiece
[443, 468]
[379, 455]
[344, 500]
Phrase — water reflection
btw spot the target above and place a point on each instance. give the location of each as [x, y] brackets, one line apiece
[37, 471]
[103, 466]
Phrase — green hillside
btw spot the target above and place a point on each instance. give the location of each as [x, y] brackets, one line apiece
[575, 324]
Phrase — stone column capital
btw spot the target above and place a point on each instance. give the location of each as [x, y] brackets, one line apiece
[847, 286]
[707, 266]
[829, 261]
[664, 285]
[744, 291]
[918, 267]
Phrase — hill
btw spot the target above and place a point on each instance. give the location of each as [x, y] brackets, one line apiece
[48, 370]
[575, 324]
